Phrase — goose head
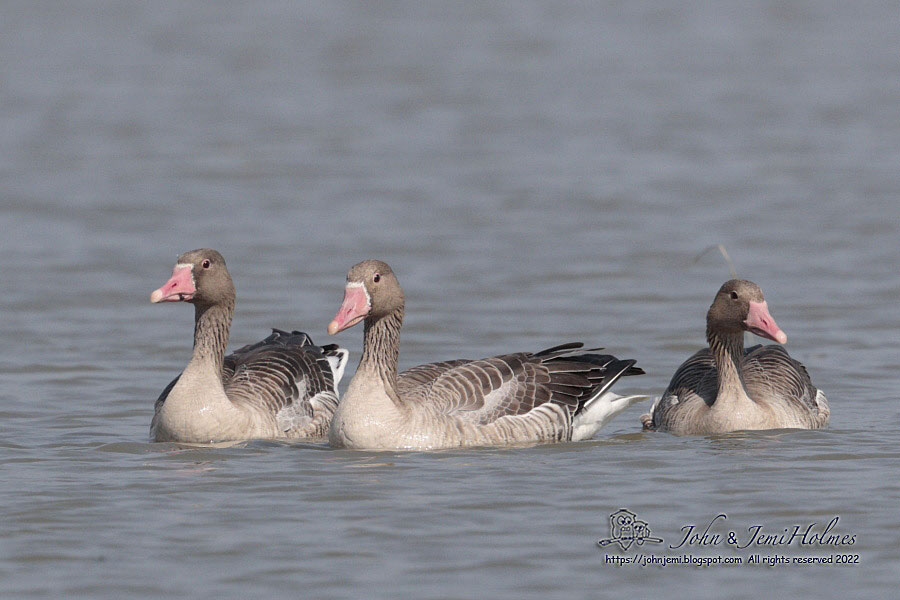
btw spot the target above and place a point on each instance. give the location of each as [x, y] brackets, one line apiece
[740, 306]
[199, 277]
[372, 291]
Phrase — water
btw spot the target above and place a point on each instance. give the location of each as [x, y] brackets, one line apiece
[535, 173]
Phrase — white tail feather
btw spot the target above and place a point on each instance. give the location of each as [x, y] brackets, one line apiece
[600, 411]
[337, 364]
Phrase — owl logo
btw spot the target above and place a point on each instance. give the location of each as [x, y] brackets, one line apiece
[626, 529]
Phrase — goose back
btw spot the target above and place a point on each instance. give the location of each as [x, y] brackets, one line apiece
[770, 374]
[771, 379]
[287, 375]
[512, 385]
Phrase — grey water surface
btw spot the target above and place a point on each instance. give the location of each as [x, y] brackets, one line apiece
[536, 173]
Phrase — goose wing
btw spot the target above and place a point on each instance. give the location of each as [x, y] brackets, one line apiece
[287, 375]
[483, 391]
[416, 383]
[693, 382]
[771, 375]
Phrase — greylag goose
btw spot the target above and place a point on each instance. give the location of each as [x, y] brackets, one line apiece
[726, 387]
[554, 395]
[281, 387]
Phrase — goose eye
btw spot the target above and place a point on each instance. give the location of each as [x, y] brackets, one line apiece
[376, 278]
[734, 295]
[205, 264]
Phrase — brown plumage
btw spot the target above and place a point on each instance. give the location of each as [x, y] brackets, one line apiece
[561, 393]
[281, 387]
[726, 387]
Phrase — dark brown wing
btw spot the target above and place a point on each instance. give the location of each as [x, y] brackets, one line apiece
[694, 381]
[415, 383]
[771, 375]
[514, 384]
[288, 376]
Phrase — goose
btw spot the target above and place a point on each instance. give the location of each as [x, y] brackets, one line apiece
[726, 387]
[558, 394]
[282, 387]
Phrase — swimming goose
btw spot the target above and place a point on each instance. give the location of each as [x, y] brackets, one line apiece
[554, 395]
[727, 388]
[281, 387]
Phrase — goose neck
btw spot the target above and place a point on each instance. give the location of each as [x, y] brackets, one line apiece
[211, 325]
[728, 353]
[381, 347]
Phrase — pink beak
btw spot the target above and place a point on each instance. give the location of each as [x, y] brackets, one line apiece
[761, 323]
[353, 309]
[179, 287]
